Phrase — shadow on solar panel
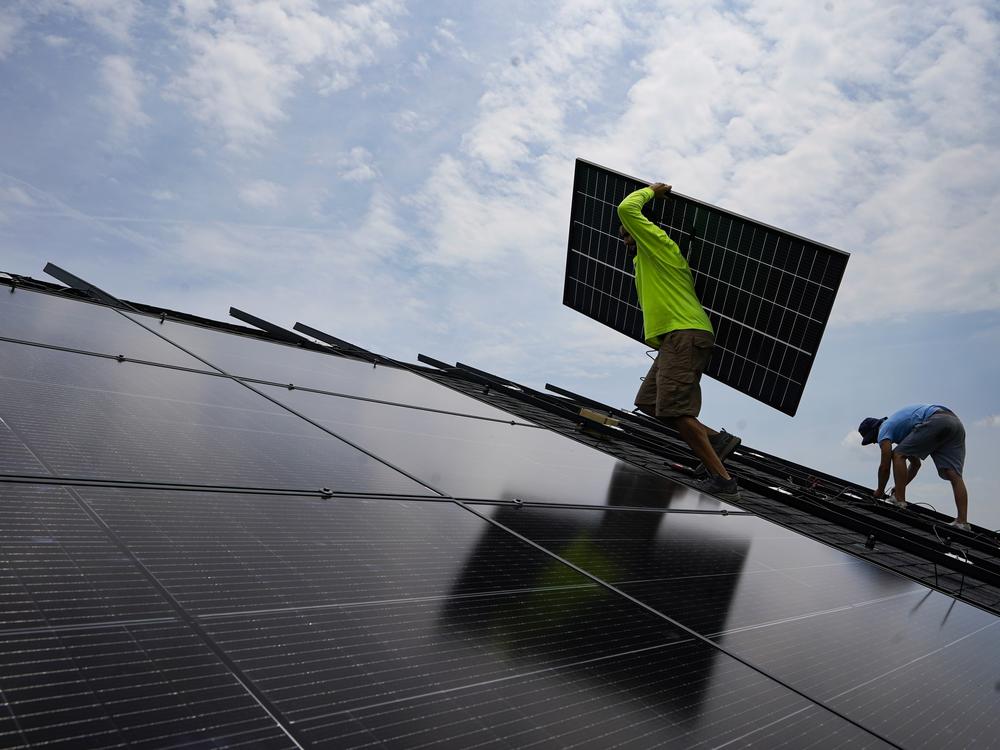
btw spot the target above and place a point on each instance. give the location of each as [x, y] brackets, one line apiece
[768, 292]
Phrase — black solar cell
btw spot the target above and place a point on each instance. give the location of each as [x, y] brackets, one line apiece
[152, 685]
[768, 293]
[266, 360]
[45, 319]
[486, 460]
[85, 416]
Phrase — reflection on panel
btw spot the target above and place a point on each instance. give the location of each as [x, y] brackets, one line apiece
[140, 685]
[563, 669]
[487, 460]
[711, 573]
[823, 622]
[58, 567]
[280, 363]
[45, 319]
[89, 417]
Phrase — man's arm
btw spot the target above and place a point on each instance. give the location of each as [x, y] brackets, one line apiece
[630, 213]
[884, 467]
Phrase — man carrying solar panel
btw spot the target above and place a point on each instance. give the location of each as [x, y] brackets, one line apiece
[675, 323]
[917, 431]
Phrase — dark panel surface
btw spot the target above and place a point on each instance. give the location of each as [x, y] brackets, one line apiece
[46, 319]
[137, 686]
[488, 460]
[281, 363]
[538, 683]
[837, 628]
[519, 647]
[922, 669]
[58, 568]
[89, 417]
[238, 553]
[767, 292]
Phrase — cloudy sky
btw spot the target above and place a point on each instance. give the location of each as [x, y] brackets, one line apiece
[399, 174]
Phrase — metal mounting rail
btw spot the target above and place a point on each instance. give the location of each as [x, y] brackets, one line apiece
[342, 347]
[81, 285]
[271, 329]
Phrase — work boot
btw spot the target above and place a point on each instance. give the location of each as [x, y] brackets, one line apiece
[724, 489]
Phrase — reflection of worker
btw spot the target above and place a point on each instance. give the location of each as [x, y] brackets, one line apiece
[675, 323]
[917, 431]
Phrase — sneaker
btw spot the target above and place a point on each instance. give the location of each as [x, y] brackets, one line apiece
[724, 444]
[898, 503]
[959, 525]
[724, 489]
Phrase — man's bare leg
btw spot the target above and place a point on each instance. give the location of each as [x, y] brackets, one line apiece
[900, 475]
[695, 434]
[961, 493]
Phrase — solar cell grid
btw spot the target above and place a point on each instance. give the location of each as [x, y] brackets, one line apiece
[150, 685]
[85, 416]
[768, 293]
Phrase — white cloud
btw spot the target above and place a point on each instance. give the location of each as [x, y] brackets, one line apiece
[114, 18]
[526, 106]
[248, 56]
[852, 440]
[990, 421]
[162, 195]
[16, 196]
[261, 194]
[55, 41]
[356, 165]
[408, 121]
[10, 26]
[122, 99]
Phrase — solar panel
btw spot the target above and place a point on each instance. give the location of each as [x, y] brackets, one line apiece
[170, 616]
[768, 292]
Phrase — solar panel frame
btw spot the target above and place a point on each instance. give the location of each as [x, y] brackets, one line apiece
[768, 358]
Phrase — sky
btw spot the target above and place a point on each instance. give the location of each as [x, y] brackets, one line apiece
[399, 174]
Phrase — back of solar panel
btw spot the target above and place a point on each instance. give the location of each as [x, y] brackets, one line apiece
[768, 292]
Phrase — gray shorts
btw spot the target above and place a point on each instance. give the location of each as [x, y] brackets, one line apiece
[942, 436]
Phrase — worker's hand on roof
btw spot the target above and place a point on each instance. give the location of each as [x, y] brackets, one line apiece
[659, 189]
[878, 495]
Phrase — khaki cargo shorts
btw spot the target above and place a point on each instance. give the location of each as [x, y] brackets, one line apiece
[673, 384]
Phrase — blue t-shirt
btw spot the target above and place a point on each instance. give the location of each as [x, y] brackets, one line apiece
[898, 426]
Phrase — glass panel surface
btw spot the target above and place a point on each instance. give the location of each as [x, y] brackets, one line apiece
[515, 670]
[58, 567]
[281, 363]
[397, 621]
[136, 686]
[220, 553]
[46, 319]
[487, 460]
[84, 416]
[840, 629]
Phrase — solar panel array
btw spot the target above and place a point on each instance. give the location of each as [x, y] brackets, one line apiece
[174, 574]
[768, 293]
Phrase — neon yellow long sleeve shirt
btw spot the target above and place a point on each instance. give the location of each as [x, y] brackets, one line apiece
[662, 277]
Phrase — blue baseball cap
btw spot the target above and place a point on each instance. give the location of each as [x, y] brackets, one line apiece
[869, 429]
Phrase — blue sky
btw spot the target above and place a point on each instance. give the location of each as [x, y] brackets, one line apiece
[399, 173]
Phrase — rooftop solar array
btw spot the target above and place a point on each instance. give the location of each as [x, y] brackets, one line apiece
[768, 293]
[314, 550]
